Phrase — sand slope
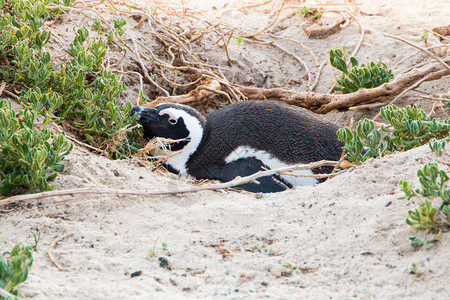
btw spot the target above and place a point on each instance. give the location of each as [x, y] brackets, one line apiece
[346, 239]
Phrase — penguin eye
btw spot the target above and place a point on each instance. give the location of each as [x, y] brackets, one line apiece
[173, 121]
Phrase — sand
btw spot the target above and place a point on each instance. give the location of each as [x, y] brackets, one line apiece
[347, 235]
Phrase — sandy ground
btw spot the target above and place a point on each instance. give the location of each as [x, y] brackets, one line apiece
[348, 235]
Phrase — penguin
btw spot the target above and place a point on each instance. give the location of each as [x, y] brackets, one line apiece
[241, 139]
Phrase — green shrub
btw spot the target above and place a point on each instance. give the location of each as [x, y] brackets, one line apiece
[81, 94]
[423, 217]
[408, 128]
[28, 157]
[310, 13]
[432, 181]
[14, 271]
[360, 76]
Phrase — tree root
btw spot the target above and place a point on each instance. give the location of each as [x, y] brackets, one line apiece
[317, 102]
[206, 89]
[316, 31]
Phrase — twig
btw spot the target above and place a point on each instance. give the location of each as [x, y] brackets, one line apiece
[404, 92]
[361, 36]
[220, 14]
[443, 162]
[316, 61]
[437, 58]
[317, 176]
[140, 81]
[190, 189]
[268, 26]
[341, 159]
[12, 95]
[207, 88]
[52, 245]
[366, 106]
[144, 69]
[2, 87]
[433, 41]
[298, 59]
[318, 73]
[335, 169]
[73, 139]
[6, 294]
[219, 93]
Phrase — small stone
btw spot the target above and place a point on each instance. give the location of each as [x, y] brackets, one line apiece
[164, 263]
[136, 274]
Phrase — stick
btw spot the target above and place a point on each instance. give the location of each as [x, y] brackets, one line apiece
[268, 26]
[141, 81]
[298, 59]
[324, 103]
[191, 189]
[6, 294]
[2, 87]
[144, 69]
[404, 92]
[437, 58]
[207, 88]
[52, 245]
[319, 102]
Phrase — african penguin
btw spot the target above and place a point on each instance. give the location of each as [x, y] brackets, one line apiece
[241, 139]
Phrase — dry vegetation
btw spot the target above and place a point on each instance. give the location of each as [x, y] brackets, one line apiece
[172, 67]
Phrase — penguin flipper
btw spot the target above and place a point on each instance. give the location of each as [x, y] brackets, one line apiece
[245, 167]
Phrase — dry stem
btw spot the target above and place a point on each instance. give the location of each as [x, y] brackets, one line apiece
[190, 189]
[52, 245]
[6, 294]
[324, 103]
[437, 58]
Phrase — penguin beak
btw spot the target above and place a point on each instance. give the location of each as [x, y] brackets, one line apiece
[144, 114]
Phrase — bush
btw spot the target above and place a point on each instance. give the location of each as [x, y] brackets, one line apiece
[81, 94]
[29, 157]
[14, 271]
[408, 128]
[360, 76]
[432, 184]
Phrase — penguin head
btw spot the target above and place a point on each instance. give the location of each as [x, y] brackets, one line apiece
[173, 121]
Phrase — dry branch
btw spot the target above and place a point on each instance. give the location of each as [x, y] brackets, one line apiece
[437, 58]
[316, 31]
[178, 31]
[190, 189]
[52, 245]
[207, 88]
[318, 102]
[6, 294]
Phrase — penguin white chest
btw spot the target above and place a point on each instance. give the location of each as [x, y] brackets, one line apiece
[178, 160]
[273, 163]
